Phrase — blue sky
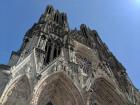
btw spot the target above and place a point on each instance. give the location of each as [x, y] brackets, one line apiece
[117, 22]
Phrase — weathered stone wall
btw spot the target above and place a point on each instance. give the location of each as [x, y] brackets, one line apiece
[59, 66]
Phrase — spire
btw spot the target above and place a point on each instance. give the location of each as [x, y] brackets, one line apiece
[54, 16]
[83, 28]
[49, 9]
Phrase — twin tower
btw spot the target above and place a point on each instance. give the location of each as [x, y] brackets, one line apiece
[59, 66]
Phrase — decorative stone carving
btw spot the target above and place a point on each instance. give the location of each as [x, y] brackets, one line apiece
[59, 66]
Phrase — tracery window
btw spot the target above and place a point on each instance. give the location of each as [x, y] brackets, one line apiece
[53, 50]
[84, 63]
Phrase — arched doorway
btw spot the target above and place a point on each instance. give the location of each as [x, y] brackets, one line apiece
[49, 103]
[18, 93]
[57, 89]
[104, 93]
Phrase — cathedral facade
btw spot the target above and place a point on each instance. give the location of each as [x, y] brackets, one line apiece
[59, 66]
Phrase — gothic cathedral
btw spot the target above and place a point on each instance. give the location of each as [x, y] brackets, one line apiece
[59, 66]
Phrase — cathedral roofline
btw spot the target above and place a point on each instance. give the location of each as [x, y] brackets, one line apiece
[64, 66]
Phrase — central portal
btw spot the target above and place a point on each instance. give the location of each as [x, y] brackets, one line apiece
[56, 93]
[49, 103]
[57, 89]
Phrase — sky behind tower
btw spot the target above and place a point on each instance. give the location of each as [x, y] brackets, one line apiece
[116, 21]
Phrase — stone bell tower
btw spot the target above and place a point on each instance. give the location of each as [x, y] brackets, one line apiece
[59, 66]
[46, 35]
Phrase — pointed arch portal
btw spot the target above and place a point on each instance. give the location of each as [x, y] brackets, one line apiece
[18, 93]
[104, 93]
[57, 89]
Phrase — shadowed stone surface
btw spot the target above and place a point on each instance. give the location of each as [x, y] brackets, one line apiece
[59, 66]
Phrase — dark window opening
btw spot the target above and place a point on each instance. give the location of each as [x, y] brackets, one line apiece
[49, 103]
[46, 48]
[47, 60]
[59, 50]
[84, 32]
[47, 45]
[62, 17]
[26, 40]
[52, 51]
[56, 17]
[49, 10]
[43, 37]
[55, 53]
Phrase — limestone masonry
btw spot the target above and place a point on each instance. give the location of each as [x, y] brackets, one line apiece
[59, 66]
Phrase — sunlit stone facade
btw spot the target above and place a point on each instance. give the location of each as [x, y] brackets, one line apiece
[59, 66]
